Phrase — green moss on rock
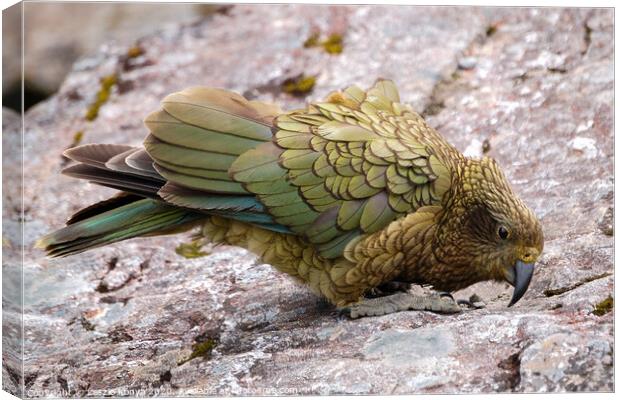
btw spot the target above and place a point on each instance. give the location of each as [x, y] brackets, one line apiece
[604, 306]
[77, 138]
[107, 82]
[299, 86]
[312, 41]
[333, 44]
[135, 51]
[191, 249]
[201, 349]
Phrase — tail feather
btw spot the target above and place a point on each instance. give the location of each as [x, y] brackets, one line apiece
[95, 154]
[119, 200]
[105, 164]
[120, 163]
[179, 178]
[106, 177]
[139, 218]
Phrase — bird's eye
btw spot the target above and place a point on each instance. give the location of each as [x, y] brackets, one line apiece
[502, 232]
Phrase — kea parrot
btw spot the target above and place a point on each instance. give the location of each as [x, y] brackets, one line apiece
[345, 195]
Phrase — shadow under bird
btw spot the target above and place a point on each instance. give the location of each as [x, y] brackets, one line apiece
[345, 195]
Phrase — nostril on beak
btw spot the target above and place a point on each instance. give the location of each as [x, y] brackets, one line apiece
[530, 254]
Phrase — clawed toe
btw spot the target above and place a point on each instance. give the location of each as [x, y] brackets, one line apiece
[446, 295]
[474, 302]
[464, 302]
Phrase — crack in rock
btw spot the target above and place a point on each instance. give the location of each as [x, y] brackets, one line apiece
[442, 87]
[121, 273]
[558, 291]
[511, 375]
[587, 37]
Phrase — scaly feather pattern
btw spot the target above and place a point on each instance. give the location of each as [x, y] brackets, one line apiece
[344, 195]
[353, 164]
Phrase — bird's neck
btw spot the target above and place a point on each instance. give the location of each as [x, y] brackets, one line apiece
[446, 260]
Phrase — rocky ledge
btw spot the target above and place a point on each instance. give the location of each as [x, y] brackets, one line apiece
[532, 88]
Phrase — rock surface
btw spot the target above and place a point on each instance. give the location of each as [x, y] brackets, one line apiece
[532, 87]
[57, 34]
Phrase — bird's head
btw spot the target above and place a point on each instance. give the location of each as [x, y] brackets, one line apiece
[489, 230]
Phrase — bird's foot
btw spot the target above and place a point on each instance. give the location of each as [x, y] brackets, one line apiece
[402, 302]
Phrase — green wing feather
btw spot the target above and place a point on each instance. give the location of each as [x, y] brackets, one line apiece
[197, 136]
[352, 165]
[200, 132]
[330, 173]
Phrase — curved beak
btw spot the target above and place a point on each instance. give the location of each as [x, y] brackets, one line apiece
[519, 276]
